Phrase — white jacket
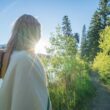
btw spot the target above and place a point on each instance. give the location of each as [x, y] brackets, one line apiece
[24, 86]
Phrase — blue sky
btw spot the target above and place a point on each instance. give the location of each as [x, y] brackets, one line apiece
[48, 12]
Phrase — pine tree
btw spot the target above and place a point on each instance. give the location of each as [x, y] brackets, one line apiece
[93, 37]
[104, 11]
[67, 30]
[99, 21]
[84, 32]
[83, 41]
[76, 36]
[69, 39]
[66, 27]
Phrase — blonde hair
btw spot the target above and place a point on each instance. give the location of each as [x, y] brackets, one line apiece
[26, 32]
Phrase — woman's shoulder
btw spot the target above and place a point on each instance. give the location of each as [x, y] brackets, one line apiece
[24, 57]
[20, 56]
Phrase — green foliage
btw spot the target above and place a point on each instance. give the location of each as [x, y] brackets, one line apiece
[83, 42]
[61, 44]
[102, 60]
[68, 76]
[66, 26]
[104, 11]
[67, 30]
[76, 35]
[72, 84]
[105, 40]
[93, 37]
[99, 21]
[102, 64]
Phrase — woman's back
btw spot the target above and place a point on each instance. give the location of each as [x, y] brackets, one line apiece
[24, 86]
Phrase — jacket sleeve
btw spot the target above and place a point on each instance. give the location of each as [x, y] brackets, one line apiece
[29, 88]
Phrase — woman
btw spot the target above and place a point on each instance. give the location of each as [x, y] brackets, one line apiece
[24, 82]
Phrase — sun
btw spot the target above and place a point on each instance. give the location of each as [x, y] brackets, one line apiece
[40, 47]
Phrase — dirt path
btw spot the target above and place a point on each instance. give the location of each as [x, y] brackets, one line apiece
[102, 99]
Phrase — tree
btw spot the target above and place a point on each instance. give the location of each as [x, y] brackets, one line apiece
[83, 41]
[93, 37]
[76, 36]
[68, 38]
[104, 11]
[61, 44]
[102, 60]
[69, 71]
[67, 30]
[66, 27]
[99, 21]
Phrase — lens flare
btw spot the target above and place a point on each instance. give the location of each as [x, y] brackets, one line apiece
[40, 47]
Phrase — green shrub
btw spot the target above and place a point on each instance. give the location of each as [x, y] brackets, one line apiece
[102, 61]
[69, 83]
[73, 89]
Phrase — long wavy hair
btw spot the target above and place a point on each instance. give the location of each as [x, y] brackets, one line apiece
[25, 34]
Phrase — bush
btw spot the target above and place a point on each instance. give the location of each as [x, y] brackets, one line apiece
[102, 65]
[69, 83]
[73, 89]
[102, 61]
